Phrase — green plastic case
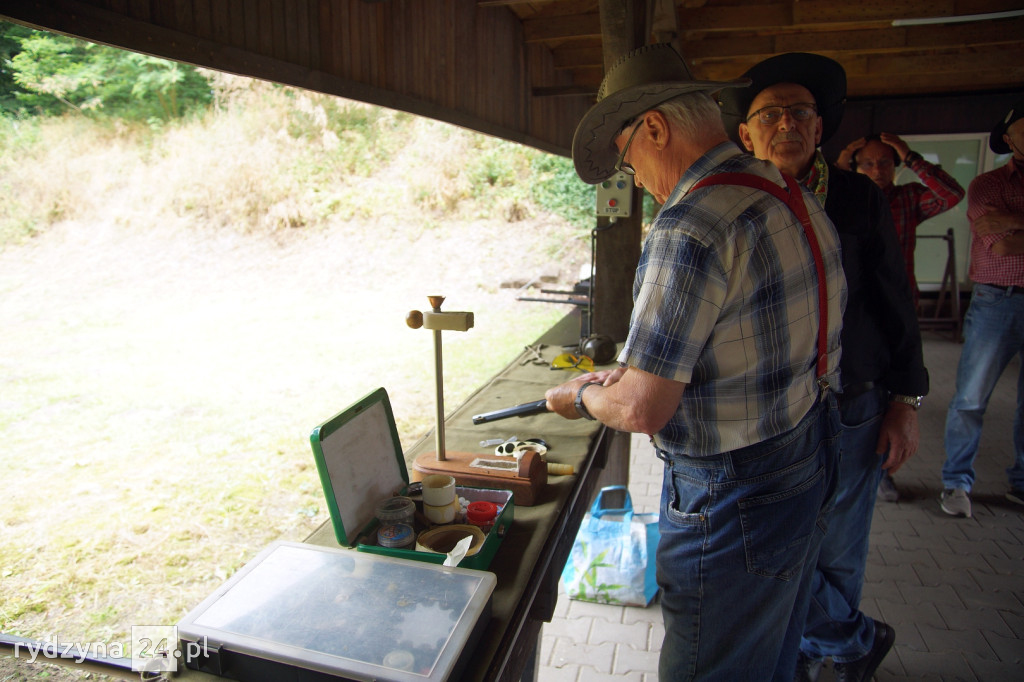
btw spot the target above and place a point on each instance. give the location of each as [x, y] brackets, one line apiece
[360, 461]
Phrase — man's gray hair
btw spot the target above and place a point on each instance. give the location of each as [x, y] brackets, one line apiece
[695, 114]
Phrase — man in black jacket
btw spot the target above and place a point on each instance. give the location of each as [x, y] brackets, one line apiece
[794, 103]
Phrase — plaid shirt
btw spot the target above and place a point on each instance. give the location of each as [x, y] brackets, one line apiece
[913, 203]
[725, 300]
[1001, 189]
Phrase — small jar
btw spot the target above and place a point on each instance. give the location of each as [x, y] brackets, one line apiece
[438, 490]
[396, 535]
[396, 510]
[445, 514]
[482, 514]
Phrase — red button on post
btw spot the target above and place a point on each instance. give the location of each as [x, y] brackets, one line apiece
[613, 203]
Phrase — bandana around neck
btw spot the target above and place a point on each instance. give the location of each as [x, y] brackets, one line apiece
[816, 179]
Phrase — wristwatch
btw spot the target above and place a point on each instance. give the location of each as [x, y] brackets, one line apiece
[912, 400]
[580, 407]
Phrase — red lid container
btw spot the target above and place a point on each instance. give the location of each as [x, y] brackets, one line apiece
[481, 513]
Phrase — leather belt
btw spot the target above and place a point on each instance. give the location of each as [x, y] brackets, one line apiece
[854, 390]
[1011, 289]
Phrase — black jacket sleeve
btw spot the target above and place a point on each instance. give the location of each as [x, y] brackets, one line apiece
[881, 338]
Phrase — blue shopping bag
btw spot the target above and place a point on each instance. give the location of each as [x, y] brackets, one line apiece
[612, 558]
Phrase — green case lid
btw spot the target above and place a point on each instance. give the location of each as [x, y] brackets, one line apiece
[360, 462]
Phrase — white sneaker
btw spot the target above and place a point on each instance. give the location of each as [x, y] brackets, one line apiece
[887, 488]
[956, 502]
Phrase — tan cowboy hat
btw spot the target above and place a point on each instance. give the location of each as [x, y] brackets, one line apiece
[995, 139]
[638, 82]
[824, 78]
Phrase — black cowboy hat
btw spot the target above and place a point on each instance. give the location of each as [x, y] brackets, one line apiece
[823, 77]
[638, 82]
[995, 138]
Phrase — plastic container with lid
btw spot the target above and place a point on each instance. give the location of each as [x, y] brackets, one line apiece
[396, 509]
[445, 514]
[308, 613]
[396, 535]
[482, 513]
[438, 490]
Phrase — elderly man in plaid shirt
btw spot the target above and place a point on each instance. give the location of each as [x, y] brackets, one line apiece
[731, 350]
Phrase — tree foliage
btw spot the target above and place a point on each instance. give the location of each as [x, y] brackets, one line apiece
[9, 46]
[559, 190]
[50, 74]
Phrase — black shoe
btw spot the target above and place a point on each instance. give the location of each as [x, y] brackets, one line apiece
[807, 668]
[864, 668]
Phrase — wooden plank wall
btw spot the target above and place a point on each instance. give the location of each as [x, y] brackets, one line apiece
[446, 59]
[920, 116]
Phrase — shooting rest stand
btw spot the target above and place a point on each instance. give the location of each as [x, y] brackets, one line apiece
[525, 477]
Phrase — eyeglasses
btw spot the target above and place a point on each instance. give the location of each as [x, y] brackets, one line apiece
[769, 116]
[620, 163]
[573, 361]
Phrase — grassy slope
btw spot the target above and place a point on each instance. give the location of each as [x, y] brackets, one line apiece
[180, 307]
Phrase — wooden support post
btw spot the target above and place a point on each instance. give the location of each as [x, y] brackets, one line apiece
[617, 252]
[617, 246]
[617, 249]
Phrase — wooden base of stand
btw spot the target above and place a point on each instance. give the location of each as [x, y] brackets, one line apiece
[525, 478]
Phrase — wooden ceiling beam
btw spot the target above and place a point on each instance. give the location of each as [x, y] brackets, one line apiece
[962, 35]
[575, 57]
[929, 84]
[913, 73]
[824, 14]
[862, 85]
[836, 43]
[725, 18]
[909, 66]
[562, 28]
[722, 41]
[894, 40]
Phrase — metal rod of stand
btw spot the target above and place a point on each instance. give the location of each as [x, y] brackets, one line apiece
[435, 320]
[439, 384]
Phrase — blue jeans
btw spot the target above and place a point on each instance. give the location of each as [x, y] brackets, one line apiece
[835, 625]
[993, 334]
[740, 534]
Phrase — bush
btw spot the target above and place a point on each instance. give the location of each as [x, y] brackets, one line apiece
[558, 189]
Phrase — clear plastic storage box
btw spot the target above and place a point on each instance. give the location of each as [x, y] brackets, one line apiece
[305, 612]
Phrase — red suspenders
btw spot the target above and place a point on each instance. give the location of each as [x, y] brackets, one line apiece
[794, 199]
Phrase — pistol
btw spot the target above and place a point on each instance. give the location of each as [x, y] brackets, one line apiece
[524, 410]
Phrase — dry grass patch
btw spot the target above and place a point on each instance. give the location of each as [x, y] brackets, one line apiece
[169, 345]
